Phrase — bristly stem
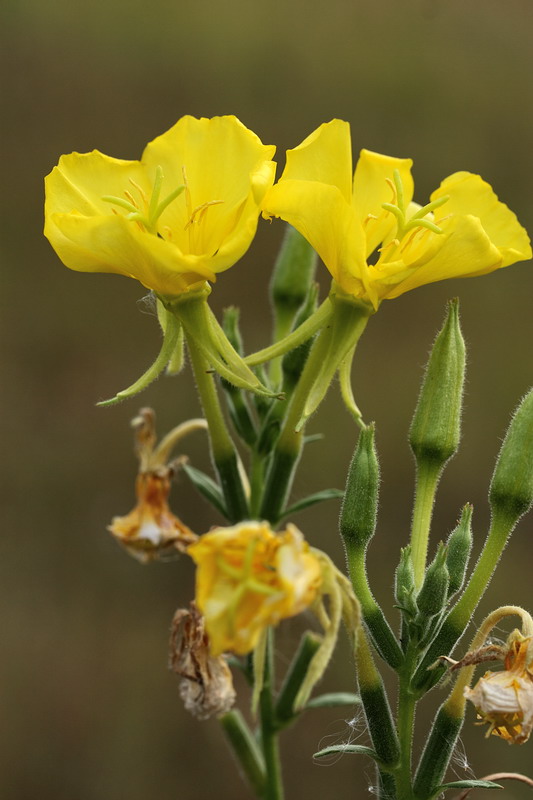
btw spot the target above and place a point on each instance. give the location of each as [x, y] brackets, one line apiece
[428, 475]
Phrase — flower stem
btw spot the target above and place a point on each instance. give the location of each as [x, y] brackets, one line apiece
[245, 749]
[269, 736]
[405, 723]
[428, 474]
[222, 447]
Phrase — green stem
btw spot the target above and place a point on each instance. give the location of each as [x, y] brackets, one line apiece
[405, 724]
[222, 447]
[269, 735]
[257, 472]
[383, 638]
[428, 474]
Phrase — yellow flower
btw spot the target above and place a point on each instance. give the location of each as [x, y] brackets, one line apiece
[505, 699]
[183, 213]
[249, 578]
[464, 230]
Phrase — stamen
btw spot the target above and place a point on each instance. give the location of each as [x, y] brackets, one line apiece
[139, 189]
[130, 197]
[399, 190]
[368, 218]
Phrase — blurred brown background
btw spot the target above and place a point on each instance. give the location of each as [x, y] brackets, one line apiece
[89, 711]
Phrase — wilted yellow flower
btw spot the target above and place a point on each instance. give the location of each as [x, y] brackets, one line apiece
[504, 699]
[183, 213]
[463, 231]
[206, 687]
[249, 578]
[151, 530]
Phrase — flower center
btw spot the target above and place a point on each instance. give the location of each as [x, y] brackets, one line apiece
[153, 208]
[195, 215]
[405, 225]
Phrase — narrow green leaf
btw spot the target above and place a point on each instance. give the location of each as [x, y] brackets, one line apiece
[333, 699]
[468, 784]
[354, 749]
[311, 500]
[207, 487]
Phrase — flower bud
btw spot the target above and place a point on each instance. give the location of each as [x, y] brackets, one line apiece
[435, 429]
[511, 489]
[359, 508]
[292, 276]
[434, 592]
[404, 586]
[459, 546]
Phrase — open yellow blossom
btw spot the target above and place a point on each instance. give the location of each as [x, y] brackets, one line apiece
[249, 578]
[464, 230]
[504, 699]
[183, 213]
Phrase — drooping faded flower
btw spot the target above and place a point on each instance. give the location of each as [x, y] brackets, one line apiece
[206, 686]
[173, 220]
[504, 700]
[463, 231]
[249, 578]
[151, 530]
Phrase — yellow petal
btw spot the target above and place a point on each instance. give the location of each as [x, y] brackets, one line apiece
[324, 157]
[462, 251]
[470, 194]
[113, 244]
[323, 216]
[371, 188]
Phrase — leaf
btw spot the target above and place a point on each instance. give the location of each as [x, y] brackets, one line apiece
[311, 500]
[333, 699]
[468, 784]
[207, 487]
[354, 749]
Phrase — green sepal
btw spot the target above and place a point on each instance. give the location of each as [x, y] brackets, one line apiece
[207, 488]
[354, 749]
[467, 784]
[168, 347]
[177, 359]
[201, 326]
[334, 700]
[311, 500]
[404, 585]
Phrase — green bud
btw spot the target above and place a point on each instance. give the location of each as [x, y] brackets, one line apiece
[359, 508]
[435, 429]
[230, 324]
[511, 489]
[292, 276]
[237, 401]
[404, 584]
[433, 595]
[459, 546]
[294, 361]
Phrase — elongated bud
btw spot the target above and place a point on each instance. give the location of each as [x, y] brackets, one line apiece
[511, 489]
[404, 585]
[459, 546]
[359, 508]
[292, 276]
[435, 429]
[294, 361]
[434, 592]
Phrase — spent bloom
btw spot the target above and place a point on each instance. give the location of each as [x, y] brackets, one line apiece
[206, 686]
[249, 578]
[504, 699]
[463, 231]
[173, 220]
[151, 530]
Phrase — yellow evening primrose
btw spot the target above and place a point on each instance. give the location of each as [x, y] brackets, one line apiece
[173, 220]
[249, 578]
[375, 241]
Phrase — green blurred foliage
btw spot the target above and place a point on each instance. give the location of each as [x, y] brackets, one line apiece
[89, 710]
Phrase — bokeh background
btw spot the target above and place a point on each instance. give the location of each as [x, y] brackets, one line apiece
[89, 710]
